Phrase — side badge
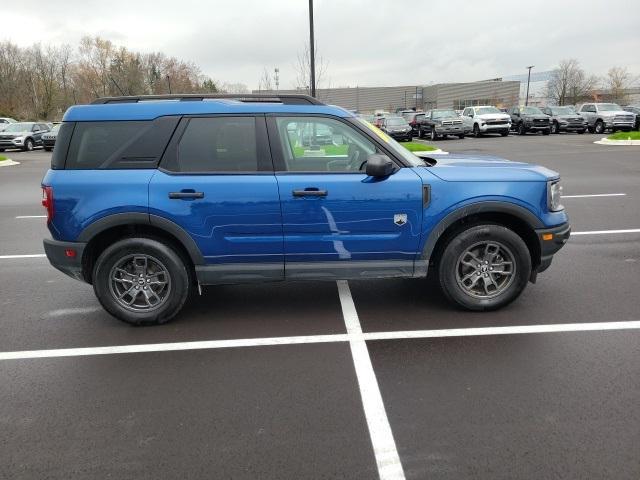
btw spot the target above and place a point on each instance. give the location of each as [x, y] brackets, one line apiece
[400, 219]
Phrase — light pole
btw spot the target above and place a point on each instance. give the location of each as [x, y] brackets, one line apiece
[526, 100]
[312, 51]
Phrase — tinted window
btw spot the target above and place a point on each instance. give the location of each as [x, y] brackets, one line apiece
[220, 144]
[115, 145]
[62, 145]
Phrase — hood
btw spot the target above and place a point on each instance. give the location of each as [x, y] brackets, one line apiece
[485, 168]
[613, 113]
[494, 116]
[568, 116]
[15, 134]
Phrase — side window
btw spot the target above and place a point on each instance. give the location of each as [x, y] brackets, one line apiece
[322, 145]
[218, 144]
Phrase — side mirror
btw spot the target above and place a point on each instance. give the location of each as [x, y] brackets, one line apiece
[379, 165]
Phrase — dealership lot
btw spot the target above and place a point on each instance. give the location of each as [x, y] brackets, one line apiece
[282, 387]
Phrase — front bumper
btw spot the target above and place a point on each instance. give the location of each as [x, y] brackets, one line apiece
[48, 142]
[401, 135]
[572, 127]
[450, 129]
[551, 241]
[494, 127]
[56, 252]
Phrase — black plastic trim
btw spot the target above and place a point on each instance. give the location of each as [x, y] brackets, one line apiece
[230, 273]
[55, 251]
[349, 270]
[475, 208]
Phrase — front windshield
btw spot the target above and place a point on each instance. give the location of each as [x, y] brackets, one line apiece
[609, 107]
[396, 121]
[19, 127]
[392, 145]
[444, 114]
[562, 110]
[531, 110]
[485, 110]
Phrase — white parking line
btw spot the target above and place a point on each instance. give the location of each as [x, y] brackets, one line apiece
[31, 216]
[35, 255]
[596, 195]
[384, 446]
[606, 232]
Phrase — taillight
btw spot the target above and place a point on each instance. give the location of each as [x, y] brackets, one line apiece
[47, 201]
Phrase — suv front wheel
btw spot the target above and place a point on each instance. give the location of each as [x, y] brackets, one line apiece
[484, 267]
[141, 281]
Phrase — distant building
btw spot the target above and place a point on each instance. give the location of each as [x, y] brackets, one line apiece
[418, 97]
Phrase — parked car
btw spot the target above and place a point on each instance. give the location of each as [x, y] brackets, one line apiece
[635, 109]
[5, 121]
[413, 119]
[175, 195]
[607, 116]
[440, 123]
[23, 135]
[397, 128]
[565, 119]
[49, 138]
[367, 118]
[529, 119]
[486, 119]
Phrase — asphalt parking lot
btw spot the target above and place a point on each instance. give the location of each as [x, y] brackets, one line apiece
[322, 380]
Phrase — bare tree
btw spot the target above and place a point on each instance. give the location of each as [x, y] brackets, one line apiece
[569, 84]
[303, 69]
[265, 82]
[234, 88]
[617, 81]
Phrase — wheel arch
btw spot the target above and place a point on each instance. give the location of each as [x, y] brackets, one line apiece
[520, 220]
[107, 230]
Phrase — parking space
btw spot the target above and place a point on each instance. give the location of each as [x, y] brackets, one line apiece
[299, 399]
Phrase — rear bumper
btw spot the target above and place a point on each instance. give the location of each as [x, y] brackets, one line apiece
[56, 252]
[551, 241]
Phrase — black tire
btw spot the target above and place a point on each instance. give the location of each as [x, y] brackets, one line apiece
[590, 129]
[1, 149]
[409, 138]
[505, 133]
[434, 134]
[454, 252]
[555, 128]
[599, 127]
[28, 145]
[521, 129]
[581, 131]
[546, 131]
[48, 149]
[461, 137]
[476, 130]
[158, 253]
[420, 133]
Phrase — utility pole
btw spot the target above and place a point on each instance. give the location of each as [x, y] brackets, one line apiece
[276, 77]
[526, 100]
[169, 83]
[312, 50]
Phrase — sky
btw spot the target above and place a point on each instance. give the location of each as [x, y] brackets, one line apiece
[362, 42]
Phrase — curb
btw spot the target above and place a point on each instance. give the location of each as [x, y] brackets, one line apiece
[606, 141]
[8, 162]
[430, 152]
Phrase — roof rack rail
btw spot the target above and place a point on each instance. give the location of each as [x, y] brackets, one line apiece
[286, 99]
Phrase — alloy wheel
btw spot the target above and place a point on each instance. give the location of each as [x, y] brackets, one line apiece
[486, 269]
[140, 282]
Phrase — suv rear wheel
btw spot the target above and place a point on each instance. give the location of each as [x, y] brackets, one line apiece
[141, 281]
[28, 145]
[484, 267]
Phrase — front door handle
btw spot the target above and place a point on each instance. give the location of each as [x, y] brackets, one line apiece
[310, 192]
[186, 195]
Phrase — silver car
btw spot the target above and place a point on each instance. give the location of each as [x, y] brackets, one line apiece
[565, 119]
[5, 121]
[603, 116]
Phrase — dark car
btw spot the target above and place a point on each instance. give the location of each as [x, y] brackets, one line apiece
[565, 119]
[440, 123]
[414, 119]
[49, 138]
[397, 128]
[529, 119]
[634, 109]
[23, 135]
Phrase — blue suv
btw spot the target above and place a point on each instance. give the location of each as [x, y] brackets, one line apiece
[148, 198]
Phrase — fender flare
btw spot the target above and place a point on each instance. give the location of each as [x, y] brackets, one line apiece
[474, 208]
[122, 219]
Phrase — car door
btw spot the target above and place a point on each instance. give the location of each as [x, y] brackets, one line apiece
[216, 182]
[467, 118]
[337, 221]
[589, 112]
[36, 133]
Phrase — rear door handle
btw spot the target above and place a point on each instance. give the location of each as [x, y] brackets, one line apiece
[186, 195]
[310, 192]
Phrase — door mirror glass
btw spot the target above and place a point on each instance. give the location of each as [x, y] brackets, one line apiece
[379, 166]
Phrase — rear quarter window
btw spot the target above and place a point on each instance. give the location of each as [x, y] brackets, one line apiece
[118, 144]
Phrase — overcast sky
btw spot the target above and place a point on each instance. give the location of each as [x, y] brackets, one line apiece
[363, 42]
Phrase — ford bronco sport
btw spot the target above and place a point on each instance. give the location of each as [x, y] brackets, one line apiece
[148, 198]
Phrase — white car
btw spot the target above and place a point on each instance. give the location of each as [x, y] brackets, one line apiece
[486, 119]
[5, 121]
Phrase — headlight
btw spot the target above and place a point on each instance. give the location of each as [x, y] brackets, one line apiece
[554, 194]
[18, 139]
